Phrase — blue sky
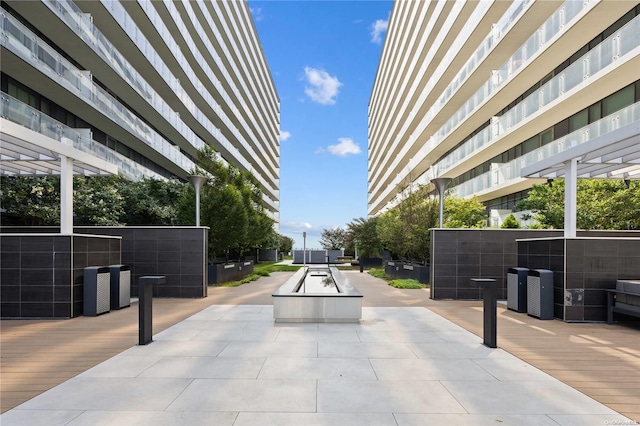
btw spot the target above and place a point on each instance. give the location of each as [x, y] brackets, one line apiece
[323, 56]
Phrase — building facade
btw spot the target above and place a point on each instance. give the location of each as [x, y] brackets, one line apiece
[141, 84]
[476, 91]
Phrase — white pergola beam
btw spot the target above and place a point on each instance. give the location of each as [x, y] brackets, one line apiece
[25, 152]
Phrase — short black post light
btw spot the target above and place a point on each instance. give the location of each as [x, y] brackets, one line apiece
[441, 185]
[197, 181]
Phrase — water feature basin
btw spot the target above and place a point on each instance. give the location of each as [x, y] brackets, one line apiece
[317, 294]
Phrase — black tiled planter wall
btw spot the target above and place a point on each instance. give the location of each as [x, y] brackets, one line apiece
[457, 255]
[592, 265]
[42, 278]
[42, 274]
[178, 253]
[225, 272]
[594, 261]
[399, 270]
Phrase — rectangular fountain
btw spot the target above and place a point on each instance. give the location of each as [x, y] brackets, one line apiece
[317, 294]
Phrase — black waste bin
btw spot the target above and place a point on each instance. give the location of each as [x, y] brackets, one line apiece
[540, 294]
[517, 289]
[96, 290]
[120, 286]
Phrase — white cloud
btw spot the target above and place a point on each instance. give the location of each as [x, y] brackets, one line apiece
[377, 29]
[322, 88]
[295, 227]
[284, 135]
[256, 12]
[344, 147]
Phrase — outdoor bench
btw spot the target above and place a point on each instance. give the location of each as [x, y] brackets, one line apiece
[625, 299]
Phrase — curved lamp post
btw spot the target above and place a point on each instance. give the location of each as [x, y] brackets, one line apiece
[197, 181]
[441, 185]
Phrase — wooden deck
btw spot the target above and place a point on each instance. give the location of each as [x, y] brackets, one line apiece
[600, 360]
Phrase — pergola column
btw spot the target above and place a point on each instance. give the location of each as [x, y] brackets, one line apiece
[570, 197]
[66, 195]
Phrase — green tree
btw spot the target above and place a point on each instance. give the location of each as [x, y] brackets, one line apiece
[363, 233]
[464, 213]
[333, 239]
[510, 222]
[601, 204]
[30, 201]
[426, 218]
[232, 207]
[222, 210]
[285, 244]
[391, 232]
[404, 229]
[157, 202]
[547, 204]
[97, 200]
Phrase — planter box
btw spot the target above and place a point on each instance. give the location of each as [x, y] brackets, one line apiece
[225, 272]
[368, 262]
[401, 270]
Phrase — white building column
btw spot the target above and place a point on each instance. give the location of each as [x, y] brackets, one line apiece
[570, 197]
[66, 195]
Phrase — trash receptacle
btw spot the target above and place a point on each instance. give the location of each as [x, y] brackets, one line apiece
[540, 294]
[120, 286]
[96, 290]
[517, 289]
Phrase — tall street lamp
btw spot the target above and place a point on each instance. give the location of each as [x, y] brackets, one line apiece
[304, 260]
[197, 181]
[304, 249]
[441, 185]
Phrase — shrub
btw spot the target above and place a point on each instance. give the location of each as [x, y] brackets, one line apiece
[379, 273]
[510, 222]
[406, 283]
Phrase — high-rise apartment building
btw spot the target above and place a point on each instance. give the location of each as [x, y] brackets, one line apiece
[477, 90]
[141, 84]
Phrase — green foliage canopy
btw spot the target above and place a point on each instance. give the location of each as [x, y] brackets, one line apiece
[231, 204]
[601, 204]
[30, 201]
[363, 234]
[285, 244]
[464, 213]
[333, 239]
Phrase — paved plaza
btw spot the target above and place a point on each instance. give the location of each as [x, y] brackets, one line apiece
[231, 364]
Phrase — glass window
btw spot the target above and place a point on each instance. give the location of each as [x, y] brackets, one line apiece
[561, 129]
[531, 144]
[595, 112]
[122, 149]
[546, 137]
[622, 98]
[579, 120]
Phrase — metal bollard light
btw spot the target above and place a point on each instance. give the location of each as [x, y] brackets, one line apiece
[145, 308]
[490, 306]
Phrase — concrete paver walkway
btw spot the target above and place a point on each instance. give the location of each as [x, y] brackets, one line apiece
[230, 364]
